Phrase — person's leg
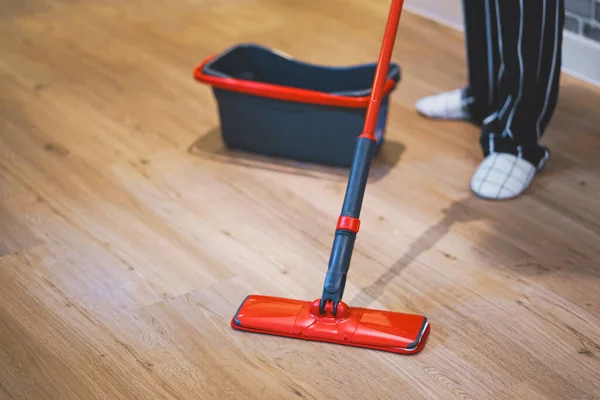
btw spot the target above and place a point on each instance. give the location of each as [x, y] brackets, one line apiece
[530, 41]
[477, 99]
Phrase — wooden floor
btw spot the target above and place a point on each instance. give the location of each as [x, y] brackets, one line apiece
[129, 235]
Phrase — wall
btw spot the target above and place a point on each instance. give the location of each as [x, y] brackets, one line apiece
[583, 18]
[581, 39]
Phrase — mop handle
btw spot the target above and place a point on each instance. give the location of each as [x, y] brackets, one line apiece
[349, 222]
[383, 64]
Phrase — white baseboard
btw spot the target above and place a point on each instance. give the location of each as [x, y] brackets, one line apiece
[581, 57]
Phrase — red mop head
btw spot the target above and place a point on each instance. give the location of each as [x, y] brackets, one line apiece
[352, 326]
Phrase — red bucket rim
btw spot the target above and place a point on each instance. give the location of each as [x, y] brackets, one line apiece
[283, 92]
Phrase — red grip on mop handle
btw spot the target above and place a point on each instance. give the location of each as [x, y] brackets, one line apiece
[348, 223]
[381, 72]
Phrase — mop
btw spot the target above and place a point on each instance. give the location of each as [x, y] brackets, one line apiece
[329, 319]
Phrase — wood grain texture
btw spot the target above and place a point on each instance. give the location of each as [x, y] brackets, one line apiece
[129, 234]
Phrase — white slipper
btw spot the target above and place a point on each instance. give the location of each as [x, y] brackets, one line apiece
[502, 176]
[450, 105]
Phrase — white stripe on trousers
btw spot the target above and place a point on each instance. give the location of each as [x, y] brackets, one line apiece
[507, 129]
[490, 54]
[541, 40]
[552, 70]
[498, 25]
[506, 103]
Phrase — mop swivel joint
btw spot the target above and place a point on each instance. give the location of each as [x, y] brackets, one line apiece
[328, 309]
[329, 303]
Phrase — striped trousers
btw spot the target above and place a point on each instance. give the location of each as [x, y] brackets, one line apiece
[514, 62]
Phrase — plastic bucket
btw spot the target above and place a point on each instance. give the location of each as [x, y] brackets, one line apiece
[272, 104]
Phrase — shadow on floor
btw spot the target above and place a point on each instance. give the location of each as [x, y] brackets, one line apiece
[498, 240]
[459, 211]
[210, 146]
